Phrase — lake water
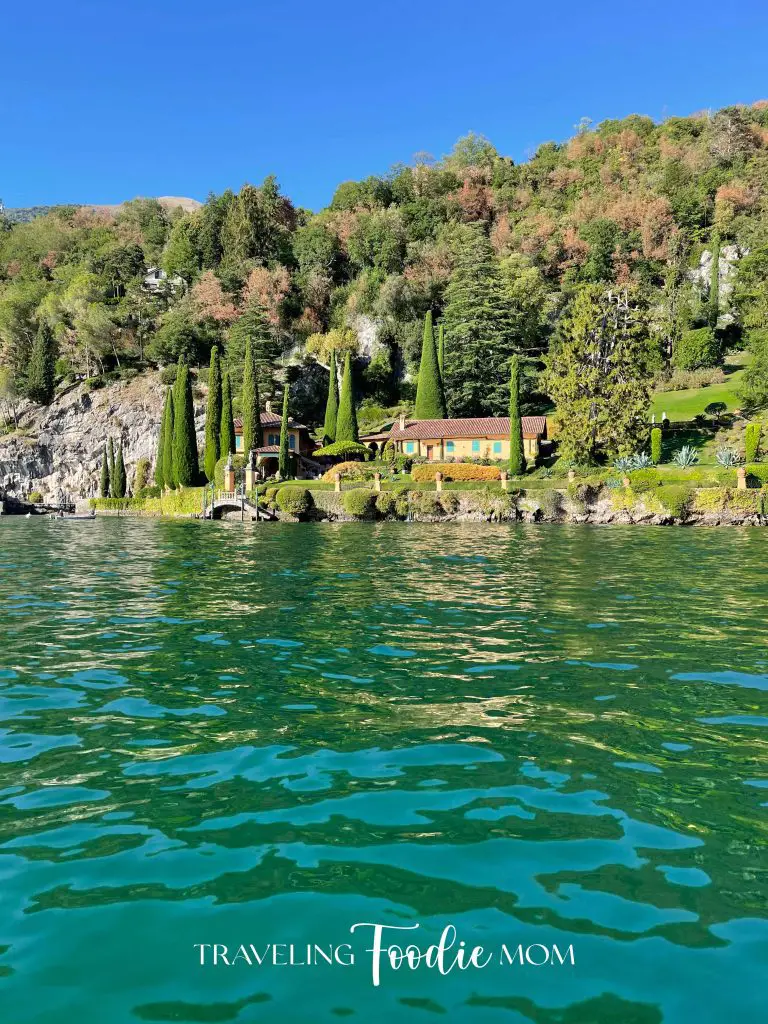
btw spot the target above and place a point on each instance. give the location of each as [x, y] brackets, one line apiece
[216, 733]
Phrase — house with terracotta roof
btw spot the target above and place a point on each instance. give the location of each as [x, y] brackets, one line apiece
[267, 456]
[485, 437]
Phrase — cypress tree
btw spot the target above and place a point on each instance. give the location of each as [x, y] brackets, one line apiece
[252, 433]
[159, 458]
[284, 458]
[42, 362]
[169, 473]
[713, 305]
[111, 450]
[104, 483]
[119, 485]
[227, 430]
[516, 451]
[430, 400]
[332, 403]
[440, 348]
[346, 421]
[213, 415]
[185, 465]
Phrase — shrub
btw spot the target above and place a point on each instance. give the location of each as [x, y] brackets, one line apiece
[752, 441]
[116, 504]
[696, 349]
[142, 475]
[168, 374]
[186, 501]
[344, 450]
[685, 380]
[359, 503]
[149, 492]
[550, 503]
[295, 501]
[640, 460]
[686, 456]
[402, 502]
[386, 504]
[454, 471]
[35, 497]
[726, 457]
[758, 472]
[676, 499]
[710, 499]
[352, 471]
[426, 503]
[749, 503]
[644, 480]
[448, 502]
[270, 493]
[656, 437]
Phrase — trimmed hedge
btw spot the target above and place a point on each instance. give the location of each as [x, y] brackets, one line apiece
[352, 471]
[675, 499]
[295, 501]
[455, 471]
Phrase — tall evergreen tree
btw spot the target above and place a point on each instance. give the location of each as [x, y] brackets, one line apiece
[252, 433]
[104, 482]
[159, 461]
[185, 464]
[42, 363]
[111, 450]
[169, 471]
[430, 400]
[480, 328]
[119, 486]
[284, 458]
[332, 403]
[713, 304]
[254, 327]
[441, 348]
[346, 421]
[213, 415]
[516, 450]
[227, 430]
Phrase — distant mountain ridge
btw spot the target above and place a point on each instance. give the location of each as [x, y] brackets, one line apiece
[23, 214]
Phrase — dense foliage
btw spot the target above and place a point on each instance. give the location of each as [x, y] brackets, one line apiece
[508, 258]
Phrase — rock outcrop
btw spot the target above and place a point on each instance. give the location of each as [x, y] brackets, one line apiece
[57, 449]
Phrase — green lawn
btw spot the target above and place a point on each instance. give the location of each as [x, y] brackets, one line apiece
[684, 405]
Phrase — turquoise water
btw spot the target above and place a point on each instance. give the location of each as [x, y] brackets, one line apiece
[543, 736]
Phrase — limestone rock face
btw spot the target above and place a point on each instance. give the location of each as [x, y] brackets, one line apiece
[58, 449]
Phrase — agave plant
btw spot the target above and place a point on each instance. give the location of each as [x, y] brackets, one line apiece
[640, 460]
[686, 456]
[623, 465]
[726, 457]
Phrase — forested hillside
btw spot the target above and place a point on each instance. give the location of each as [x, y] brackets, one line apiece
[649, 240]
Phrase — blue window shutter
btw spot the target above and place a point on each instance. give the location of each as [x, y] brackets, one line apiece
[475, 446]
[292, 441]
[449, 446]
[497, 447]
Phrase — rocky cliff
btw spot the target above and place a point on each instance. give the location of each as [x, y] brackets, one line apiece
[58, 448]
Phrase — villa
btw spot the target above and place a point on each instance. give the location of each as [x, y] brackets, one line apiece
[484, 437]
[267, 456]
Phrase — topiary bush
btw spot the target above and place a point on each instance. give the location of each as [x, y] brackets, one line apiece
[752, 441]
[344, 450]
[656, 438]
[360, 503]
[295, 501]
[758, 473]
[386, 504]
[696, 349]
[352, 471]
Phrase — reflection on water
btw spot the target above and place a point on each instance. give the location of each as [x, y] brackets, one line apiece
[210, 733]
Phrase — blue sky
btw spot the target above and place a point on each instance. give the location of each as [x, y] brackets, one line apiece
[104, 101]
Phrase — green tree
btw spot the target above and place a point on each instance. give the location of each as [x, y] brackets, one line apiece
[42, 362]
[754, 383]
[252, 433]
[111, 450]
[169, 470]
[656, 439]
[254, 327]
[441, 348]
[181, 256]
[163, 472]
[213, 415]
[516, 450]
[346, 421]
[430, 400]
[104, 483]
[227, 428]
[713, 303]
[480, 332]
[119, 485]
[332, 403]
[599, 376]
[284, 458]
[185, 464]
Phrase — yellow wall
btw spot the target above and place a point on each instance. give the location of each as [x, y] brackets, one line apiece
[275, 432]
[462, 448]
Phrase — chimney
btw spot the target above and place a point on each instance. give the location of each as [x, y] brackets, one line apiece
[268, 407]
[402, 421]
